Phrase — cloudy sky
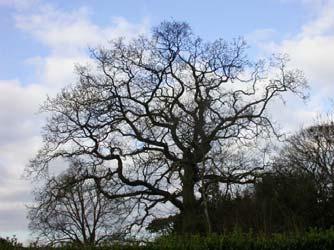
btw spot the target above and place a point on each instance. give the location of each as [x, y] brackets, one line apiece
[41, 41]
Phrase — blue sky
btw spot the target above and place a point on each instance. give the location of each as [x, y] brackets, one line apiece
[42, 40]
[213, 19]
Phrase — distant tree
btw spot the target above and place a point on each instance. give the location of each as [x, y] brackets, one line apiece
[285, 202]
[311, 151]
[10, 243]
[173, 113]
[71, 210]
[165, 225]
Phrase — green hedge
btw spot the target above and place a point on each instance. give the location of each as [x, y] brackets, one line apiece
[309, 241]
[314, 240]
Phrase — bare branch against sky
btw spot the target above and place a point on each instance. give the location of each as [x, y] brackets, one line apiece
[45, 39]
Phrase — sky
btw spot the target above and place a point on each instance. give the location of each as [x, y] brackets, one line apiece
[42, 41]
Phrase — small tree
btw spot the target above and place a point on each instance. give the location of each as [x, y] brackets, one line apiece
[70, 209]
[173, 113]
[311, 152]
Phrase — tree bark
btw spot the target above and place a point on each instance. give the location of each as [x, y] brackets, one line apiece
[190, 220]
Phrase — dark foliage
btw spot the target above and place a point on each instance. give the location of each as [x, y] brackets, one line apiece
[276, 203]
[312, 240]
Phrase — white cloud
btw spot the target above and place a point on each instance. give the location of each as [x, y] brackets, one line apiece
[66, 35]
[7, 223]
[72, 32]
[56, 71]
[323, 24]
[315, 55]
[311, 50]
[18, 107]
[19, 133]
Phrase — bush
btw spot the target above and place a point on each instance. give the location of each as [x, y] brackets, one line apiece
[312, 240]
[9, 243]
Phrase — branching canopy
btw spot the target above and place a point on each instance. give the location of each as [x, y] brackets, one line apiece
[172, 114]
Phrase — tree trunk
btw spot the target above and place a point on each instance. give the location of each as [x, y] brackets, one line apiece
[190, 215]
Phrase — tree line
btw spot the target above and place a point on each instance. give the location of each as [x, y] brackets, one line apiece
[169, 133]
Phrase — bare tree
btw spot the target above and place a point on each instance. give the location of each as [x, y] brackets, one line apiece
[173, 113]
[69, 210]
[311, 151]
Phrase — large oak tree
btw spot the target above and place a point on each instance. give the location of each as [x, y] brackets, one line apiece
[173, 114]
